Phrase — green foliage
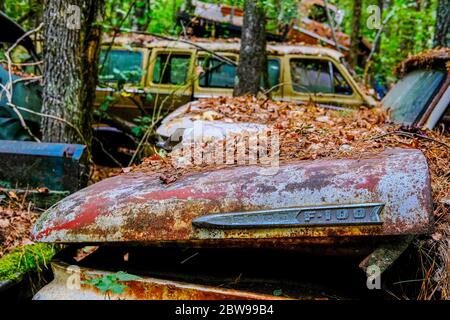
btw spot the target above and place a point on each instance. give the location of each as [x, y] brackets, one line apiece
[16, 9]
[409, 31]
[107, 102]
[160, 16]
[277, 292]
[142, 125]
[27, 258]
[163, 13]
[111, 283]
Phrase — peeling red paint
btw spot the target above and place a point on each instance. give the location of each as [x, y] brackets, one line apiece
[183, 193]
[89, 212]
[370, 183]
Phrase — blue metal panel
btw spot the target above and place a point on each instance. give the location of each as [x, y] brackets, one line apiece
[43, 149]
[57, 166]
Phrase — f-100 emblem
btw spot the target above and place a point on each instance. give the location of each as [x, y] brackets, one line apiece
[352, 214]
[366, 214]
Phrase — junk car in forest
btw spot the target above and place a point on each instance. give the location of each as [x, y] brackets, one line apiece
[310, 25]
[421, 99]
[146, 77]
[183, 72]
[191, 239]
[234, 233]
[62, 166]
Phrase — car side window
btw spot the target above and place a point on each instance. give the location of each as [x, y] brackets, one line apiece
[219, 74]
[311, 76]
[121, 65]
[216, 73]
[171, 68]
[341, 86]
[273, 71]
[318, 76]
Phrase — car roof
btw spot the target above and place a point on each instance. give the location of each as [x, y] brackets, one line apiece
[435, 58]
[223, 45]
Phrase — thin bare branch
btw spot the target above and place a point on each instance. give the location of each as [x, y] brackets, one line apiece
[409, 135]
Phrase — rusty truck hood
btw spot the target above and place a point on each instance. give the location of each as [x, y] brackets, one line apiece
[376, 195]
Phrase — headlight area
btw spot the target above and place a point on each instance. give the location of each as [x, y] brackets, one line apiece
[203, 273]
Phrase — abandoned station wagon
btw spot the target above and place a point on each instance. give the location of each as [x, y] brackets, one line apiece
[175, 73]
[421, 98]
[149, 77]
[155, 77]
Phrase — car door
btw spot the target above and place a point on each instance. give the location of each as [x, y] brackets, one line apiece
[170, 79]
[274, 75]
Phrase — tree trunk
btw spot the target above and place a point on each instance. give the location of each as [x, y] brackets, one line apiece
[140, 16]
[91, 45]
[442, 31]
[355, 36]
[70, 69]
[253, 49]
[62, 72]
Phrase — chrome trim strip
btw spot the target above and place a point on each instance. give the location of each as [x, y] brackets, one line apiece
[330, 215]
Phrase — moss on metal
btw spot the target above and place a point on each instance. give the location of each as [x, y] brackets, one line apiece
[35, 257]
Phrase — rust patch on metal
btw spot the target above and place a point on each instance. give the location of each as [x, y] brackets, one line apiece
[145, 288]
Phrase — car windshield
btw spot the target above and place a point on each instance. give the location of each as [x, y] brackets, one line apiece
[409, 98]
[121, 65]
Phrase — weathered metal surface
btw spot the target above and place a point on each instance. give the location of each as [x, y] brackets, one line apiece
[57, 166]
[27, 94]
[307, 30]
[68, 285]
[218, 12]
[235, 46]
[386, 254]
[138, 207]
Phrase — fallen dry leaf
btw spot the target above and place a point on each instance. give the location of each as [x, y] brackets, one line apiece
[43, 190]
